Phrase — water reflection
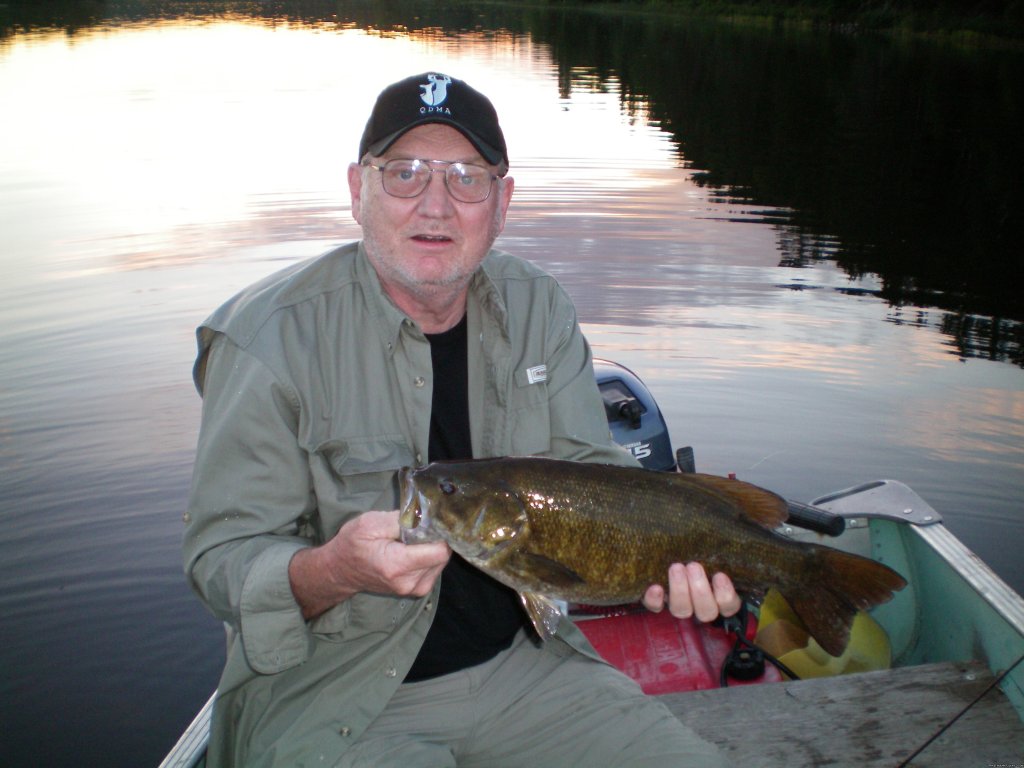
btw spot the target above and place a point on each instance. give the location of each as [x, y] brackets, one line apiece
[891, 160]
[888, 159]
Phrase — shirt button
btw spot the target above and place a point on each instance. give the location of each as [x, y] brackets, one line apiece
[419, 458]
[418, 382]
[391, 672]
[345, 731]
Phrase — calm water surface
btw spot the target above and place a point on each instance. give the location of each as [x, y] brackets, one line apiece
[814, 298]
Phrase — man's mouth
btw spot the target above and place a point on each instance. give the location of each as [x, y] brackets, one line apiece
[432, 238]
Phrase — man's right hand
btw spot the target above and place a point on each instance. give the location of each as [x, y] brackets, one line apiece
[364, 556]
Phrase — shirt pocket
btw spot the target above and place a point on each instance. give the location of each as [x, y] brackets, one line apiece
[357, 474]
[529, 414]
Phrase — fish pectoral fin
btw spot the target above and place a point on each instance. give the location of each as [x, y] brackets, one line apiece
[543, 612]
[539, 567]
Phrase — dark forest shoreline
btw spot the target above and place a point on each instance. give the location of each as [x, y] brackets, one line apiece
[995, 22]
[982, 23]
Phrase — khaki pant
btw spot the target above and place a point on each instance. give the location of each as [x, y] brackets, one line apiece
[547, 707]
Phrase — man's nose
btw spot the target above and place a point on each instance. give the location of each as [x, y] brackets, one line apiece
[436, 195]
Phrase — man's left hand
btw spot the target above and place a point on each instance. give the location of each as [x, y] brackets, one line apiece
[690, 593]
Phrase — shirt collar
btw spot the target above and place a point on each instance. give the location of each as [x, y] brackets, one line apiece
[391, 320]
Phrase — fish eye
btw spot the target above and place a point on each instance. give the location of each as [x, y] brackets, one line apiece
[447, 487]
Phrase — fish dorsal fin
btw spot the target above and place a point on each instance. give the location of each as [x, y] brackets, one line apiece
[762, 506]
[543, 612]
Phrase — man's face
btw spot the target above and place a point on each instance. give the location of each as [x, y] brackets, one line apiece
[428, 245]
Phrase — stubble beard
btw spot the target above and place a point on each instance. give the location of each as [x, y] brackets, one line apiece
[441, 287]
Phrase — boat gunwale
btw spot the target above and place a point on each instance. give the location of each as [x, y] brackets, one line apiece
[190, 749]
[978, 575]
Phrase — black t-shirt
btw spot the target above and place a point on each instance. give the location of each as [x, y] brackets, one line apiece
[477, 617]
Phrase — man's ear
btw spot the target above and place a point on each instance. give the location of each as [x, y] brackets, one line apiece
[355, 188]
[507, 187]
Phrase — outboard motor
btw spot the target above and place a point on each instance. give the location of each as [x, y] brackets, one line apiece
[633, 416]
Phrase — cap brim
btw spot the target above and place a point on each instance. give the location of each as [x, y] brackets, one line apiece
[489, 153]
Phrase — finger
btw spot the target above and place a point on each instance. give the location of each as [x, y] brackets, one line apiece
[729, 601]
[425, 582]
[702, 596]
[411, 558]
[413, 569]
[654, 598]
[680, 603]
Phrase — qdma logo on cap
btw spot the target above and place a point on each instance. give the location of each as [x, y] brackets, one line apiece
[435, 91]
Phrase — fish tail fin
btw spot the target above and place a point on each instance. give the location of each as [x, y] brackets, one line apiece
[843, 585]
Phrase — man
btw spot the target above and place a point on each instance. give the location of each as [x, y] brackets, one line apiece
[320, 382]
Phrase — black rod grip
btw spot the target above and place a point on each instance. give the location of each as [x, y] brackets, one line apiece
[815, 519]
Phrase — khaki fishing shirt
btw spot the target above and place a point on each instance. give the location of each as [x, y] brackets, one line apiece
[316, 390]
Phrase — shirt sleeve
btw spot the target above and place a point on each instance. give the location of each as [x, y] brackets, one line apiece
[250, 503]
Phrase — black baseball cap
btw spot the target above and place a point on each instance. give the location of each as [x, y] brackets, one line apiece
[434, 98]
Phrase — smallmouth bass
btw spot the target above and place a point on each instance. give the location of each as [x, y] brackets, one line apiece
[598, 534]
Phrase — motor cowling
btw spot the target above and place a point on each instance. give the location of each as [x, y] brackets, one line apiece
[634, 417]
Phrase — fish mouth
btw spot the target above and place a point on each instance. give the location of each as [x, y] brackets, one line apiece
[414, 511]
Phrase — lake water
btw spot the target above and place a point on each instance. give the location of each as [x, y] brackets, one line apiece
[808, 245]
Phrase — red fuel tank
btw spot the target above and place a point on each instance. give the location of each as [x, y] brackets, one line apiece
[665, 654]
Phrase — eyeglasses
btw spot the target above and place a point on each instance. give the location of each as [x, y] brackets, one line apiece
[466, 182]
